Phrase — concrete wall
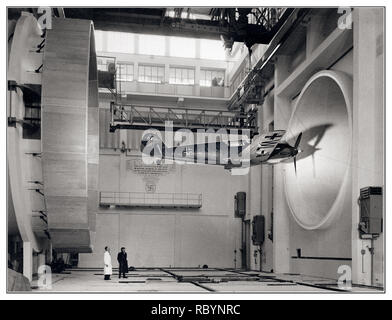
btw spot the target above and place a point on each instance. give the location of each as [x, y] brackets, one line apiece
[368, 128]
[169, 237]
[321, 51]
[266, 119]
[358, 52]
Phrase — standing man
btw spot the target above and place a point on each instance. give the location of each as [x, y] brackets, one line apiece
[122, 263]
[107, 260]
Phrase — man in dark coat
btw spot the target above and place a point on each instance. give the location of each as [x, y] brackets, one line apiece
[122, 263]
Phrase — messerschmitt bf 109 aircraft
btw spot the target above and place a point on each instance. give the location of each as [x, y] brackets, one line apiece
[269, 148]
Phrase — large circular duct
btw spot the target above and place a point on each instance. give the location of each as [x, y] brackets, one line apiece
[23, 168]
[70, 134]
[316, 192]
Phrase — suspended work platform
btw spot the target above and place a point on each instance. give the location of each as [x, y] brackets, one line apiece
[145, 117]
[150, 200]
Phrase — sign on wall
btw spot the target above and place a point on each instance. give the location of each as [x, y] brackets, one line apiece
[149, 172]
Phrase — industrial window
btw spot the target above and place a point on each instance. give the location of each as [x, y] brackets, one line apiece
[182, 47]
[182, 76]
[151, 45]
[98, 35]
[103, 62]
[212, 49]
[212, 78]
[151, 74]
[124, 72]
[122, 42]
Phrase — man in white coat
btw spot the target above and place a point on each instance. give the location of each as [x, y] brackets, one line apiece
[107, 260]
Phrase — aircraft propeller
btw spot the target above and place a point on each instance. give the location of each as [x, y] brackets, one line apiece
[297, 142]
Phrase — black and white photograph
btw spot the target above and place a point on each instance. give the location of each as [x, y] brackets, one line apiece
[194, 150]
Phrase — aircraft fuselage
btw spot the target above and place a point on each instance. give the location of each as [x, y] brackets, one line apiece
[267, 148]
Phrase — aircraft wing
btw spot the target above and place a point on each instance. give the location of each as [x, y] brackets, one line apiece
[266, 143]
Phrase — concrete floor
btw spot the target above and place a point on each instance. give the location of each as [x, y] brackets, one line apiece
[174, 280]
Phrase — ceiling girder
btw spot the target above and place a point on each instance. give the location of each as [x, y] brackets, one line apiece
[223, 22]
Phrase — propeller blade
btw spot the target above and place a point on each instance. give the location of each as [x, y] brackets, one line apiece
[298, 141]
[295, 165]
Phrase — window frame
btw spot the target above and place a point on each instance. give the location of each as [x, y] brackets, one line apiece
[180, 78]
[145, 38]
[211, 71]
[113, 38]
[128, 77]
[108, 59]
[153, 74]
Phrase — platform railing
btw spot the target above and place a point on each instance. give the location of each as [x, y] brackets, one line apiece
[143, 199]
[145, 117]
